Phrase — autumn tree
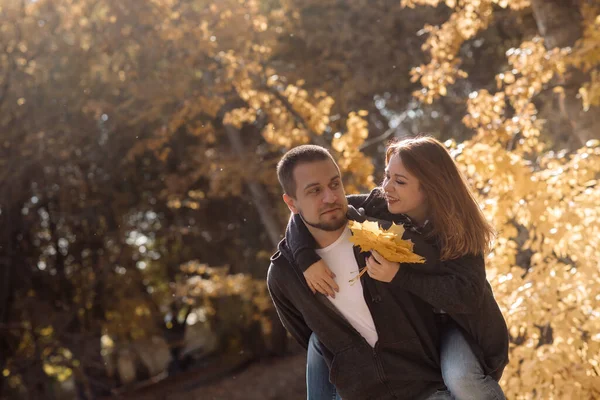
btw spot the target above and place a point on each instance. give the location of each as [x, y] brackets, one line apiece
[161, 125]
[561, 24]
[543, 203]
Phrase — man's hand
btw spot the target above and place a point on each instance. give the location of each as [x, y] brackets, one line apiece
[381, 269]
[320, 279]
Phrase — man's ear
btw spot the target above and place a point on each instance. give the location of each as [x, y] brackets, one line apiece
[291, 203]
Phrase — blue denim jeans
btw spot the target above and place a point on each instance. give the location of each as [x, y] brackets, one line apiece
[318, 386]
[461, 370]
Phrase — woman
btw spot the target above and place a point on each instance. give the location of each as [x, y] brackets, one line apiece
[424, 190]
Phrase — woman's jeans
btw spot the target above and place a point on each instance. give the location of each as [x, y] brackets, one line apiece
[461, 370]
[462, 373]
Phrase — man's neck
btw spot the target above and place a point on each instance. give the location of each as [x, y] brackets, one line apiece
[325, 238]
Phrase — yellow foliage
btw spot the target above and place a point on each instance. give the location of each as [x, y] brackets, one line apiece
[544, 205]
[206, 284]
[356, 166]
[590, 92]
[586, 55]
[58, 364]
[532, 67]
[389, 243]
[444, 42]
[239, 116]
[550, 209]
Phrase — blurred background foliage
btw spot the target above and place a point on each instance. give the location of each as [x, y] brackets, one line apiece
[138, 198]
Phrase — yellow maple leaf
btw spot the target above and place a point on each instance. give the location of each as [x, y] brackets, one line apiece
[389, 243]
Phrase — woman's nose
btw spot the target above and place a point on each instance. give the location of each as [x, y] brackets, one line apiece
[385, 185]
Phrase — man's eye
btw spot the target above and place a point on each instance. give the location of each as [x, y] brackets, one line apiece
[335, 185]
[316, 190]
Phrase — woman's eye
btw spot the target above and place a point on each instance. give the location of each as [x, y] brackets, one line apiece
[400, 182]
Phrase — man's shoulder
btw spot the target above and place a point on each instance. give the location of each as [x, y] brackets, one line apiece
[279, 263]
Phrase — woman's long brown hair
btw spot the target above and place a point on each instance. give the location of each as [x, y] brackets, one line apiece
[458, 225]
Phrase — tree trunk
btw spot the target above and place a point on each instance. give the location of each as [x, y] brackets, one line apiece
[12, 259]
[6, 301]
[261, 202]
[259, 194]
[560, 23]
[37, 383]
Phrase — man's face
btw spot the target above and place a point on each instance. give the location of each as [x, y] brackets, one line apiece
[320, 197]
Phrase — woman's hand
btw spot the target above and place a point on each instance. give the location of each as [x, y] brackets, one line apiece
[381, 269]
[320, 279]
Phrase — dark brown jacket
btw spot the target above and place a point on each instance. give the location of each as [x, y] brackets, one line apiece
[405, 361]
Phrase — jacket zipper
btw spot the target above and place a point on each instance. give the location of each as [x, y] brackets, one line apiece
[376, 298]
[380, 372]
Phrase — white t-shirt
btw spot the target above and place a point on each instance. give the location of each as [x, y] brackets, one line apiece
[350, 300]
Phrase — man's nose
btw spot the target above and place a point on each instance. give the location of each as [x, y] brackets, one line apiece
[330, 196]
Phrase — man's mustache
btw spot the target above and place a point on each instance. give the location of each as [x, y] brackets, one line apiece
[331, 208]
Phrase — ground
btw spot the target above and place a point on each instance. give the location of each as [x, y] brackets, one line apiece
[268, 379]
[274, 379]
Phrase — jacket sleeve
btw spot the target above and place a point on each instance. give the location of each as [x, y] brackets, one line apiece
[357, 200]
[301, 242]
[455, 286]
[290, 317]
[424, 248]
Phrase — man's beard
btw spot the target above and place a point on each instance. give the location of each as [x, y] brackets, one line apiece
[326, 226]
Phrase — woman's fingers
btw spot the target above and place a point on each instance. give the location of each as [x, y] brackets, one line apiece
[373, 264]
[372, 272]
[377, 257]
[373, 269]
[331, 283]
[326, 289]
[320, 288]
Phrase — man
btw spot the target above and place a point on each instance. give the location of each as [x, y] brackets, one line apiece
[379, 341]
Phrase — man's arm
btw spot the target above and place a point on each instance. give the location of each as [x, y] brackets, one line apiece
[290, 317]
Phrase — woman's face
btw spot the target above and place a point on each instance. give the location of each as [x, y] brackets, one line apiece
[403, 192]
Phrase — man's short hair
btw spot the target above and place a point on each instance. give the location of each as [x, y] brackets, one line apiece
[299, 155]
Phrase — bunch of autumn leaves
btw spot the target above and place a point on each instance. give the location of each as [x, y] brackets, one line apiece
[389, 243]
